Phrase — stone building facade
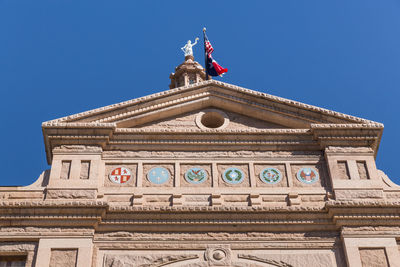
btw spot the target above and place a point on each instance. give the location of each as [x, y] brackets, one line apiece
[205, 174]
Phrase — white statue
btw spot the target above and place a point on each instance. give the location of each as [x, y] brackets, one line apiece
[187, 49]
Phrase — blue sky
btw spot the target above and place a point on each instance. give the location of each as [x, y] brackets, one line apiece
[60, 57]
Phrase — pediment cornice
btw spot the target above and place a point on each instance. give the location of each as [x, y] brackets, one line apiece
[205, 88]
[306, 126]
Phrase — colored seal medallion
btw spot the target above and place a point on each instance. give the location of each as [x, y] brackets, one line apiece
[307, 175]
[270, 176]
[158, 175]
[120, 175]
[196, 175]
[233, 176]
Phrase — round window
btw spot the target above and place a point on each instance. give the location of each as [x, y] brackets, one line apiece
[212, 119]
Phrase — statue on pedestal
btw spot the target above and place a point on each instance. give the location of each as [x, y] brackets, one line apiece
[187, 49]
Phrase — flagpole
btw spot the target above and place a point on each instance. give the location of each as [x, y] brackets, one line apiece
[205, 52]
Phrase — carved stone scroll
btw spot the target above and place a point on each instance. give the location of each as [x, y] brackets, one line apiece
[272, 262]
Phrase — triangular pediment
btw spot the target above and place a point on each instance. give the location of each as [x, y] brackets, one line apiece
[208, 94]
[173, 119]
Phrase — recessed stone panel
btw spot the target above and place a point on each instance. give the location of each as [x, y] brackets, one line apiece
[132, 167]
[316, 175]
[259, 168]
[169, 168]
[273, 199]
[362, 170]
[343, 170]
[241, 167]
[373, 257]
[236, 200]
[197, 181]
[63, 257]
[313, 199]
[197, 200]
[221, 255]
[65, 169]
[85, 169]
[158, 200]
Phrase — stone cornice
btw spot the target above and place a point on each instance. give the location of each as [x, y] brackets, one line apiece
[143, 110]
[91, 213]
[77, 148]
[63, 125]
[348, 135]
[352, 135]
[211, 221]
[364, 212]
[96, 203]
[211, 142]
[52, 213]
[211, 131]
[336, 149]
[53, 203]
[367, 203]
[233, 209]
[372, 125]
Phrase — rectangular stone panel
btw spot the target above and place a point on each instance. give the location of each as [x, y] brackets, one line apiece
[237, 181]
[153, 175]
[343, 170]
[63, 257]
[158, 200]
[313, 198]
[273, 199]
[131, 167]
[220, 255]
[310, 180]
[85, 169]
[197, 200]
[236, 200]
[65, 169]
[196, 177]
[373, 257]
[260, 182]
[362, 170]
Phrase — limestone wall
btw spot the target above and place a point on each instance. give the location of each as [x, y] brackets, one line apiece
[331, 208]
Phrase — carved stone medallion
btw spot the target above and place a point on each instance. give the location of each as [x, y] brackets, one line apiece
[307, 175]
[158, 175]
[120, 175]
[196, 175]
[233, 176]
[270, 176]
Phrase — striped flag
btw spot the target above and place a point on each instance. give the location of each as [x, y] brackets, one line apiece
[212, 67]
